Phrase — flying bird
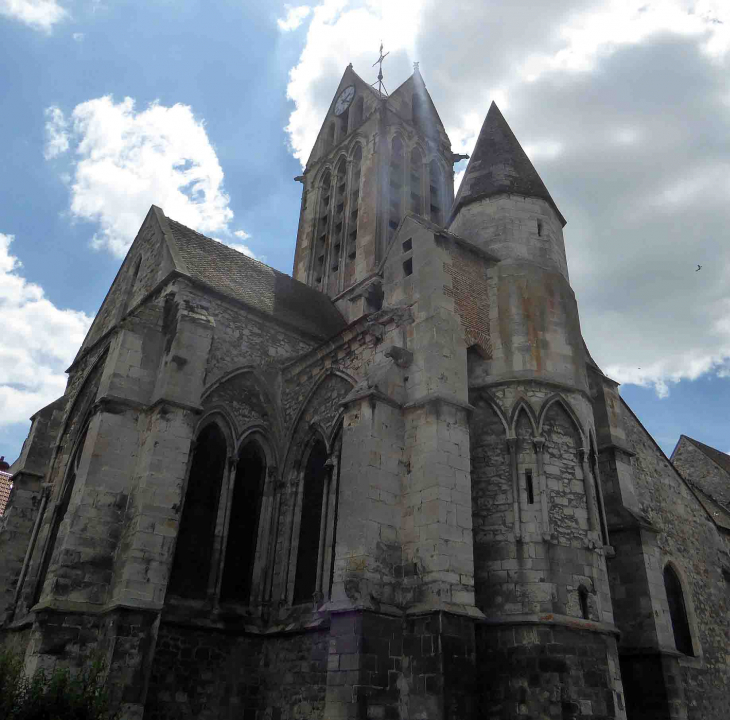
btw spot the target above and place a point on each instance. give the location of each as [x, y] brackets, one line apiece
[699, 267]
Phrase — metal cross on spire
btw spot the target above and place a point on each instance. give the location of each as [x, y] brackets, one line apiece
[379, 61]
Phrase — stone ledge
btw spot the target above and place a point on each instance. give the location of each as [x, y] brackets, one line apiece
[432, 398]
[553, 619]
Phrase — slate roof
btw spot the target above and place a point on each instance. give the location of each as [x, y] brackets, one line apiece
[719, 458]
[259, 286]
[500, 165]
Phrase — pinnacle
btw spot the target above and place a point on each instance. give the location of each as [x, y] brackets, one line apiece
[500, 165]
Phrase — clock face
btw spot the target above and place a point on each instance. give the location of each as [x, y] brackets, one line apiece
[344, 100]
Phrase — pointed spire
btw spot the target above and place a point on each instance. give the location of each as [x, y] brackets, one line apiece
[500, 165]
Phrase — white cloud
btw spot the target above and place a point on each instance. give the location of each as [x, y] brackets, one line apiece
[242, 234]
[39, 341]
[623, 107]
[125, 160]
[341, 32]
[56, 133]
[38, 14]
[78, 36]
[295, 16]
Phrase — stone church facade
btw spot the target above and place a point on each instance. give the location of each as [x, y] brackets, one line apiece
[395, 485]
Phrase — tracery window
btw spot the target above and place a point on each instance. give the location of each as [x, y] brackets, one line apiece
[193, 551]
[243, 523]
[310, 528]
[677, 611]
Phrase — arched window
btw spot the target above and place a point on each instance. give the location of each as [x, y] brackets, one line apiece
[322, 227]
[305, 583]
[191, 566]
[415, 181]
[338, 229]
[354, 202]
[397, 167]
[61, 510]
[243, 523]
[677, 611]
[436, 190]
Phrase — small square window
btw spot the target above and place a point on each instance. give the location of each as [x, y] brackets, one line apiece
[408, 267]
[408, 245]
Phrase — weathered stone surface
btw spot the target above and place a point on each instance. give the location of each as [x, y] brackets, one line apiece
[398, 489]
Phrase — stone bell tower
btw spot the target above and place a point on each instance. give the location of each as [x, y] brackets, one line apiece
[377, 158]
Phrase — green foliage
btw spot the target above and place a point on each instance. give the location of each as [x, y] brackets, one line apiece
[58, 696]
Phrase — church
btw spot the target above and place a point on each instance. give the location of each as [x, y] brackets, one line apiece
[393, 485]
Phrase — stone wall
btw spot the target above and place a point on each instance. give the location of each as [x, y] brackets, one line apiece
[209, 674]
[688, 538]
[544, 671]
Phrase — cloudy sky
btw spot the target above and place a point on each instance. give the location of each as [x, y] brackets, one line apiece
[208, 109]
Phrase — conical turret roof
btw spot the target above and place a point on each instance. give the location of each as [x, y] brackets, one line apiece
[500, 165]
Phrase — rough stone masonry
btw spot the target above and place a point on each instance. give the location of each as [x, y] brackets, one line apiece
[393, 486]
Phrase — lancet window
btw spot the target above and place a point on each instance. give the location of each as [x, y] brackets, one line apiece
[310, 528]
[416, 182]
[338, 226]
[357, 113]
[354, 204]
[243, 523]
[193, 551]
[322, 228]
[678, 611]
[436, 193]
[395, 187]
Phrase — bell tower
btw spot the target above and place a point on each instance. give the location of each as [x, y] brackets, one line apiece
[377, 158]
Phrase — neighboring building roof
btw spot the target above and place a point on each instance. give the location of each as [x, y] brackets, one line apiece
[500, 165]
[259, 286]
[719, 458]
[5, 486]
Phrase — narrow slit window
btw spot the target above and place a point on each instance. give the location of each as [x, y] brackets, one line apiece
[539, 228]
[583, 599]
[408, 267]
[530, 487]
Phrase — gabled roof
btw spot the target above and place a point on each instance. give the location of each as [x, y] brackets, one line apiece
[500, 165]
[719, 458]
[268, 291]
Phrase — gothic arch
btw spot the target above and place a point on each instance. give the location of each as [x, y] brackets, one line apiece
[219, 415]
[557, 398]
[323, 377]
[522, 405]
[357, 139]
[682, 618]
[483, 397]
